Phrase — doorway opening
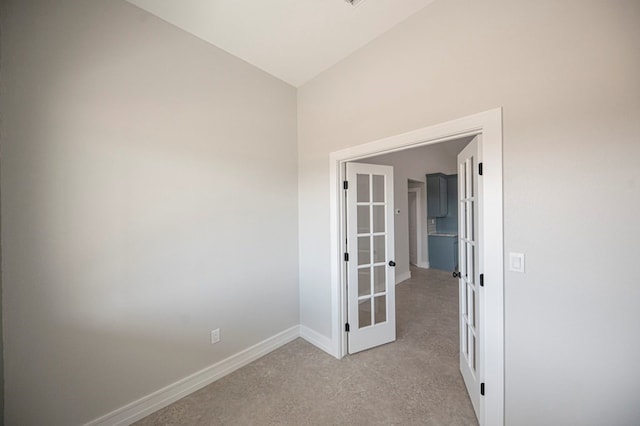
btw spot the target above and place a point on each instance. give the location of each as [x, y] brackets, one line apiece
[488, 125]
[413, 213]
[418, 224]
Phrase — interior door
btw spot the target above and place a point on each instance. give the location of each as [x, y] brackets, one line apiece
[370, 247]
[471, 338]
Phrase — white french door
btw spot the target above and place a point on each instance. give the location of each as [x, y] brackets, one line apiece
[471, 301]
[371, 308]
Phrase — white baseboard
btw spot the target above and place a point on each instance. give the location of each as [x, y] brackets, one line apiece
[403, 277]
[317, 339]
[423, 264]
[146, 405]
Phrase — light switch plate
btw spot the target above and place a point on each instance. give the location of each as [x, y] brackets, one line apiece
[516, 262]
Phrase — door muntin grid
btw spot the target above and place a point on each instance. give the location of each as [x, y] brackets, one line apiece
[468, 261]
[370, 279]
[372, 235]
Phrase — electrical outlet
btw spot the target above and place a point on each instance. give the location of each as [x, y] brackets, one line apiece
[215, 336]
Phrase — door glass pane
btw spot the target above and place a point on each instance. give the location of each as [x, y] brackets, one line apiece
[364, 281]
[379, 248]
[470, 307]
[463, 216]
[363, 188]
[378, 219]
[463, 180]
[470, 271]
[470, 188]
[381, 309]
[364, 313]
[463, 294]
[465, 342]
[470, 222]
[475, 354]
[363, 220]
[379, 278]
[463, 258]
[473, 310]
[472, 353]
[469, 345]
[465, 193]
[364, 250]
[378, 189]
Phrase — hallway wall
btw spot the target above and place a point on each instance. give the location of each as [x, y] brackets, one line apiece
[566, 75]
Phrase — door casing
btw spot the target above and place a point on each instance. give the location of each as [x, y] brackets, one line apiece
[489, 125]
[420, 255]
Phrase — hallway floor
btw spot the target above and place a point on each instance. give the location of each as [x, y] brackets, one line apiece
[412, 381]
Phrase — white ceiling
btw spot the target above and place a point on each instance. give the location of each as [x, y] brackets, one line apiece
[293, 40]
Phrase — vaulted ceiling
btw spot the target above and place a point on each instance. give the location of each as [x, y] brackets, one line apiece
[293, 40]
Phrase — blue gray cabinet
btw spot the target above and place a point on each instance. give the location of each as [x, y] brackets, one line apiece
[443, 251]
[436, 195]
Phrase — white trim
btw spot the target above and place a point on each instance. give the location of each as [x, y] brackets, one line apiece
[489, 124]
[403, 277]
[318, 340]
[424, 265]
[161, 398]
[338, 274]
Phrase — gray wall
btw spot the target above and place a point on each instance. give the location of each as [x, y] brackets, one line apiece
[148, 197]
[566, 74]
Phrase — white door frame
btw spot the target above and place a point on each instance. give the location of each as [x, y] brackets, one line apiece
[489, 125]
[421, 262]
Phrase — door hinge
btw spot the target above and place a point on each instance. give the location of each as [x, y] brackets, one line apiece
[346, 257]
[481, 280]
[482, 389]
[480, 169]
[345, 185]
[346, 327]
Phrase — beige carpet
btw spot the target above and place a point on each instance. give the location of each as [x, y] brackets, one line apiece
[413, 381]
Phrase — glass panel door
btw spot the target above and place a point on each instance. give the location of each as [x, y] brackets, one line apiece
[469, 286]
[370, 274]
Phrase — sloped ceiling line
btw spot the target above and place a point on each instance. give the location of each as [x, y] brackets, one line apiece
[294, 40]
